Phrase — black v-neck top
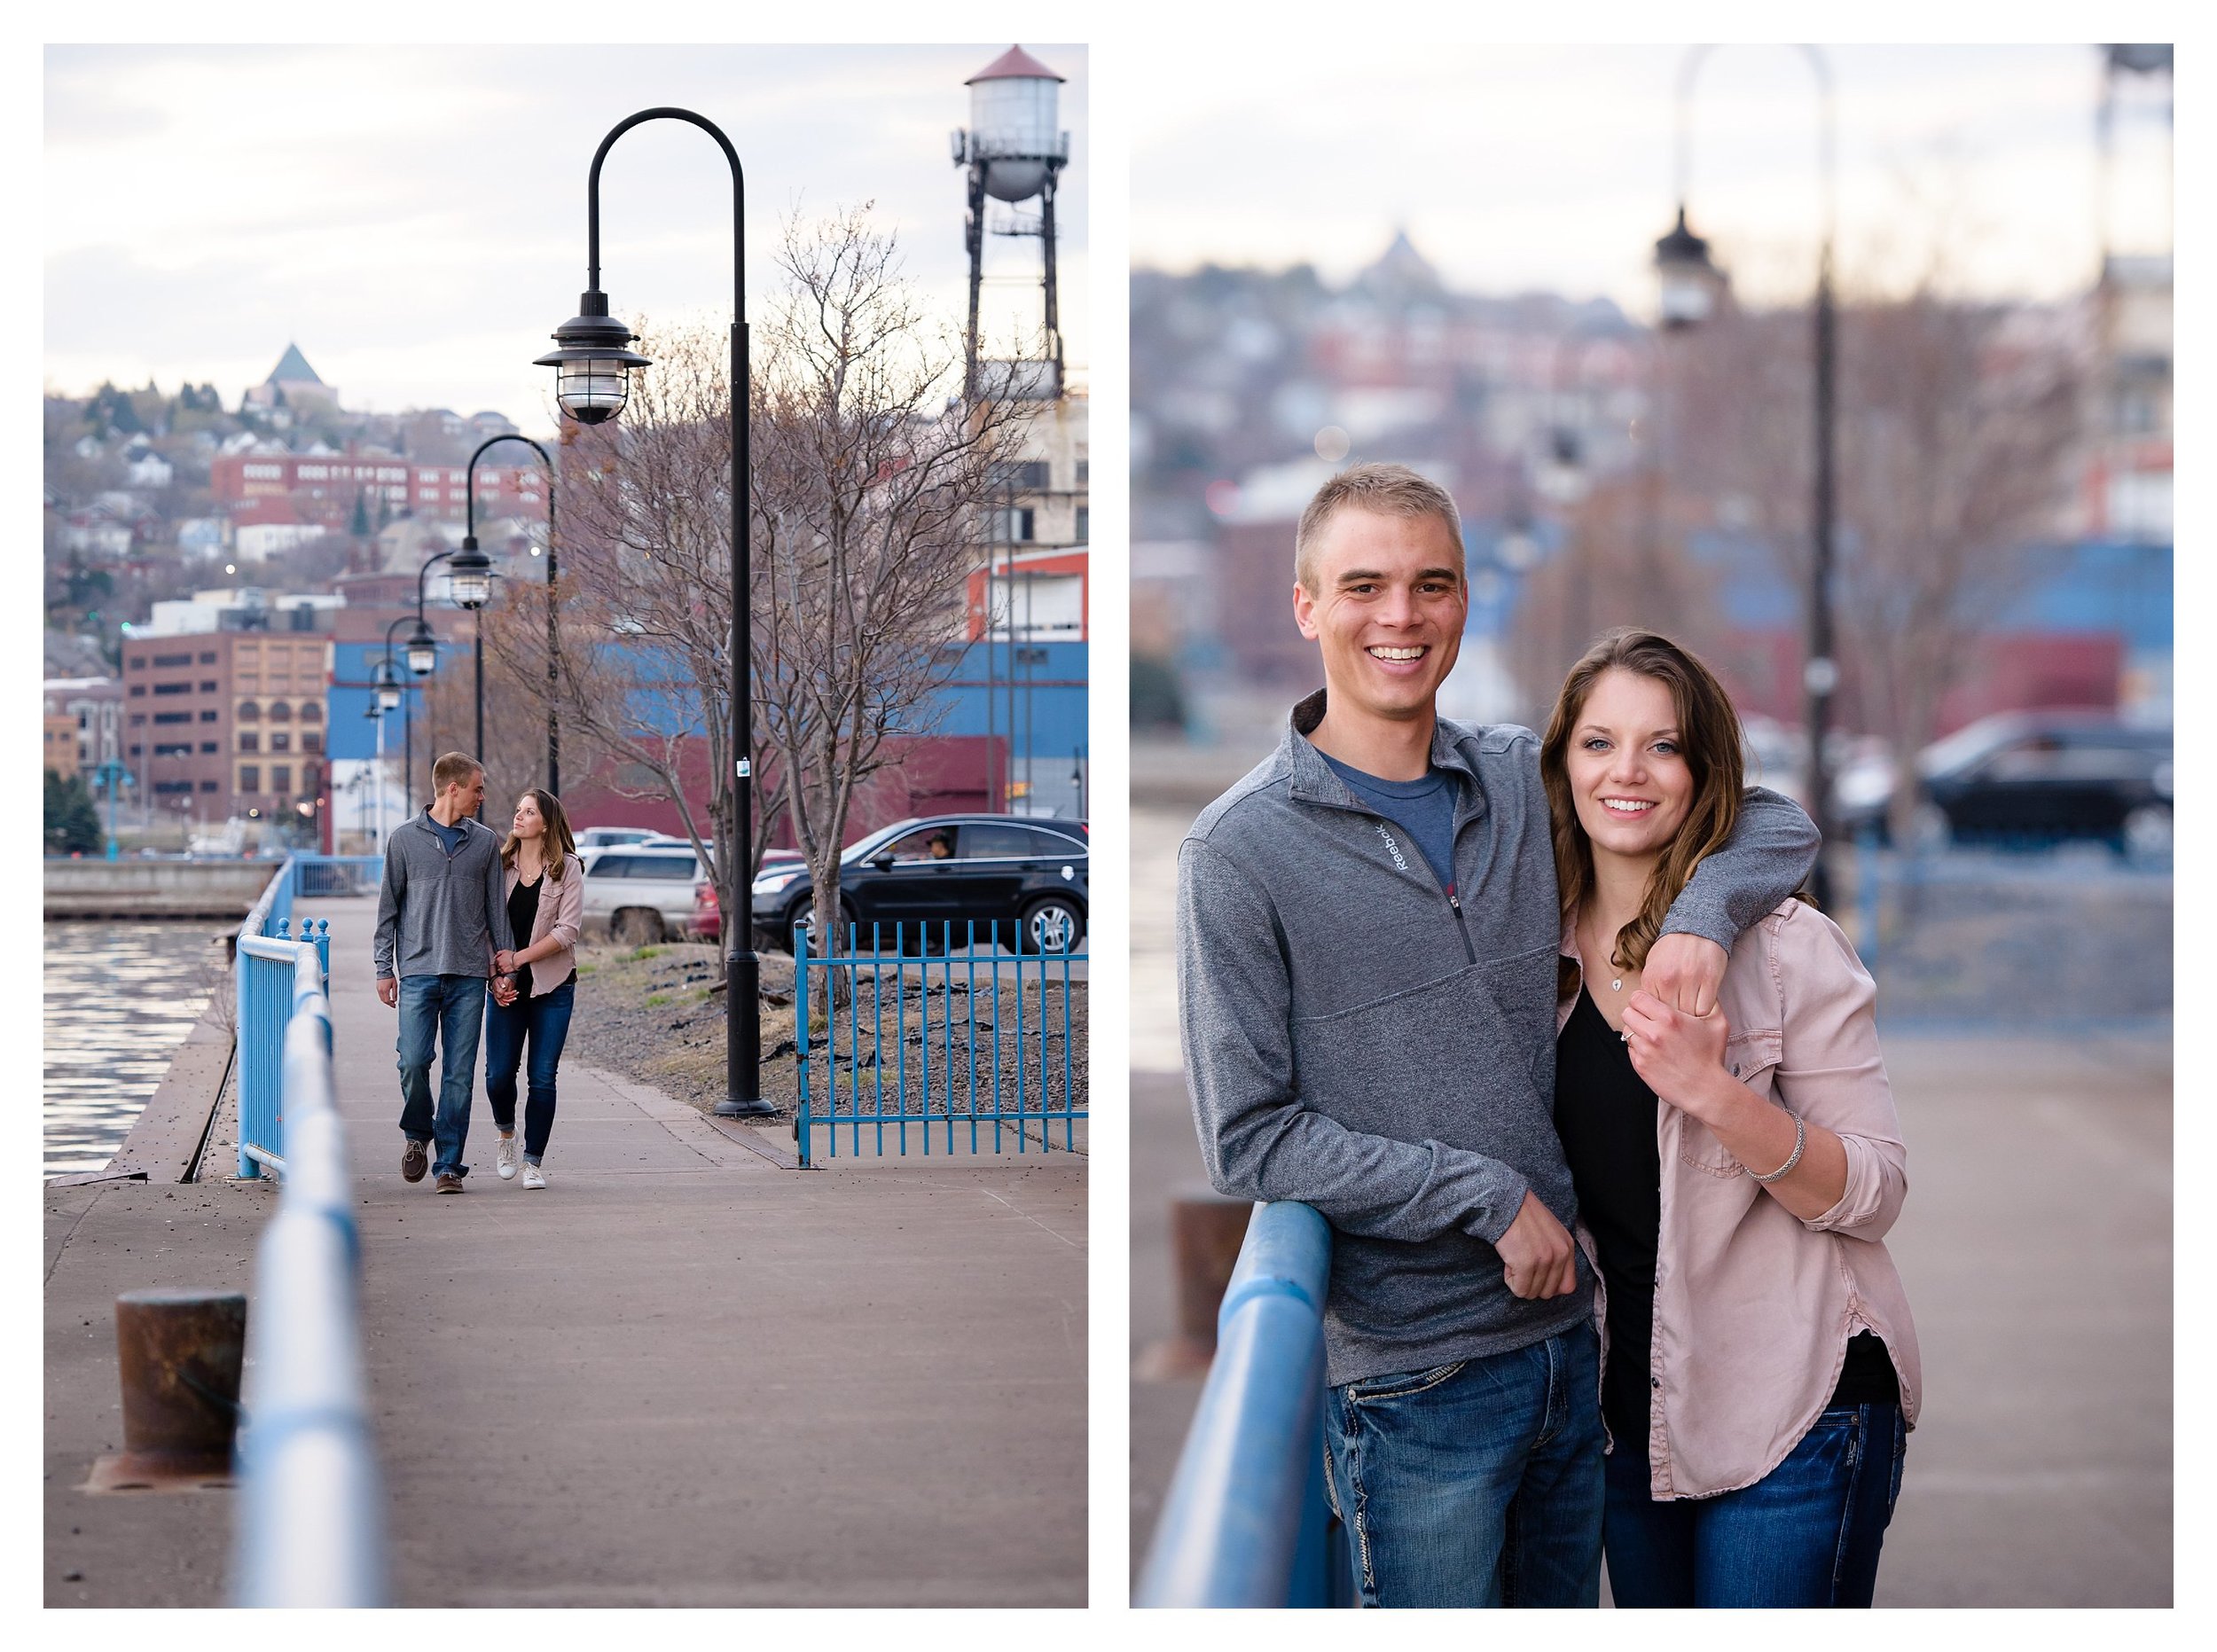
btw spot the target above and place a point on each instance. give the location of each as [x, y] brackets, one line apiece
[1606, 1115]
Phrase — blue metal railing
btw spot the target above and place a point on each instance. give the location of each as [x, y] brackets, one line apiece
[979, 1086]
[310, 1530]
[263, 984]
[1246, 1522]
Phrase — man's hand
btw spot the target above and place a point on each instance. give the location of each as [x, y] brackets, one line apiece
[388, 991]
[1680, 1057]
[1538, 1257]
[505, 990]
[1684, 971]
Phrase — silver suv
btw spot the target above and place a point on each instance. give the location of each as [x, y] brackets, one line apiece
[643, 892]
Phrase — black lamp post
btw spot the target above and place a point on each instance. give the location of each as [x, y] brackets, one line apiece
[1689, 283]
[469, 543]
[471, 582]
[403, 698]
[593, 364]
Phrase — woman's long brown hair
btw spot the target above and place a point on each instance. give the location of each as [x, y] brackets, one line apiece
[1708, 734]
[558, 838]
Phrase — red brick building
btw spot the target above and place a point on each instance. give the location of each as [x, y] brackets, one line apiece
[322, 489]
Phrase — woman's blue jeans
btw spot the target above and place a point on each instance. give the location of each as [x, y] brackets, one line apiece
[543, 1023]
[1477, 1483]
[1806, 1534]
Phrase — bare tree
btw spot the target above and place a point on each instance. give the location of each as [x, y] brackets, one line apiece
[643, 616]
[872, 486]
[1955, 422]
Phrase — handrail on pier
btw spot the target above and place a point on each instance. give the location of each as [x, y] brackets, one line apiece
[1246, 1522]
[310, 1524]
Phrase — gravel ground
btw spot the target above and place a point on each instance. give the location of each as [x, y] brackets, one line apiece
[648, 1013]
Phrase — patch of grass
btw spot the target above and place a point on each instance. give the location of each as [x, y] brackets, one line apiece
[656, 1000]
[587, 969]
[646, 952]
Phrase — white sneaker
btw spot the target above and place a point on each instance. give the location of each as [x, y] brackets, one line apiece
[534, 1176]
[506, 1165]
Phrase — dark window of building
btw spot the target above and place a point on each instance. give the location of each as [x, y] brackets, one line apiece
[303, 617]
[1019, 475]
[211, 688]
[172, 688]
[173, 716]
[250, 712]
[170, 789]
[310, 712]
[280, 741]
[174, 749]
[281, 778]
[161, 659]
[211, 717]
[137, 689]
[136, 750]
[138, 719]
[1082, 524]
[207, 785]
[310, 777]
[250, 778]
[279, 712]
[1083, 465]
[249, 740]
[208, 657]
[139, 663]
[311, 741]
[209, 745]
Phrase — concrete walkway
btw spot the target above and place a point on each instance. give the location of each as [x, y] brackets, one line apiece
[682, 1375]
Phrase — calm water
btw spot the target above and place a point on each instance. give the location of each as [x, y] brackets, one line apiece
[119, 998]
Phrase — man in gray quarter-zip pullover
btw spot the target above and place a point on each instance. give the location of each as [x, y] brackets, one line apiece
[1367, 933]
[442, 922]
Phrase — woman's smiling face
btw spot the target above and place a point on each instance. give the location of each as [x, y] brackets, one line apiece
[528, 821]
[1630, 781]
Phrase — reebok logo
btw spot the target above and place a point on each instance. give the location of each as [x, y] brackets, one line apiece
[1393, 848]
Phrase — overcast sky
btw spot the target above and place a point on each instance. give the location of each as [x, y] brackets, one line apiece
[1535, 167]
[414, 217]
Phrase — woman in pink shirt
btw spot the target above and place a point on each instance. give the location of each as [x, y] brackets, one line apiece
[1736, 1174]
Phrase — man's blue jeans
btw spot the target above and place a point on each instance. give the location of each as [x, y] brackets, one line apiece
[451, 1009]
[1806, 1534]
[1477, 1483]
[545, 1022]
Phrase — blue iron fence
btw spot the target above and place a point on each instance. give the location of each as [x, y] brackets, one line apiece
[998, 1062]
[1246, 1521]
[310, 1532]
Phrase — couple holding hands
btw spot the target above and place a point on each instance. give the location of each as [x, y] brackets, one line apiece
[454, 900]
[1589, 1092]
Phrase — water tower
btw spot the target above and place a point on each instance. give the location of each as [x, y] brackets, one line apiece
[1014, 154]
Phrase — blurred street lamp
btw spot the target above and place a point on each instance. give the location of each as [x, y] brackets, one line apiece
[470, 583]
[592, 365]
[421, 637]
[1691, 284]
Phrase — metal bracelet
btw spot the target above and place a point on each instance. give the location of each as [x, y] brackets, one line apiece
[1801, 1135]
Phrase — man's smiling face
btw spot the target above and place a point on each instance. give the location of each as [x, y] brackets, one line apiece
[1388, 607]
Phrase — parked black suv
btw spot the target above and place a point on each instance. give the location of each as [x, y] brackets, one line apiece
[1020, 879]
[2040, 777]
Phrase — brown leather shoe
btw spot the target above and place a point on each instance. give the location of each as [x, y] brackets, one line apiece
[415, 1158]
[447, 1183]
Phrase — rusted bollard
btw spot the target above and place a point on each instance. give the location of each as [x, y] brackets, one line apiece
[1206, 1231]
[178, 1353]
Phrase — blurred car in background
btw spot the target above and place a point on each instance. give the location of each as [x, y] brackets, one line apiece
[706, 921]
[643, 893]
[1020, 880]
[2027, 779]
[610, 837]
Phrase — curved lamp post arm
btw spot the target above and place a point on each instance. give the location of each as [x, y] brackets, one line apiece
[739, 197]
[423, 574]
[1828, 136]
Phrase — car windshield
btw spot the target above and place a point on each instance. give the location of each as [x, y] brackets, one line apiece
[863, 848]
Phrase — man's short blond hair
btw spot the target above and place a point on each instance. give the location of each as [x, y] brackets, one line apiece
[454, 769]
[1386, 489]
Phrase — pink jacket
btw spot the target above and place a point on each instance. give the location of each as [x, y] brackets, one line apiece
[1754, 1306]
[562, 912]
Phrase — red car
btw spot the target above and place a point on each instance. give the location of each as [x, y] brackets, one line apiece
[706, 923]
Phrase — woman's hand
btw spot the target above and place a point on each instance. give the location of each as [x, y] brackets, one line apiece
[1680, 1057]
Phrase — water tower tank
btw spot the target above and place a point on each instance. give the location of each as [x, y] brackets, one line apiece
[1012, 115]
